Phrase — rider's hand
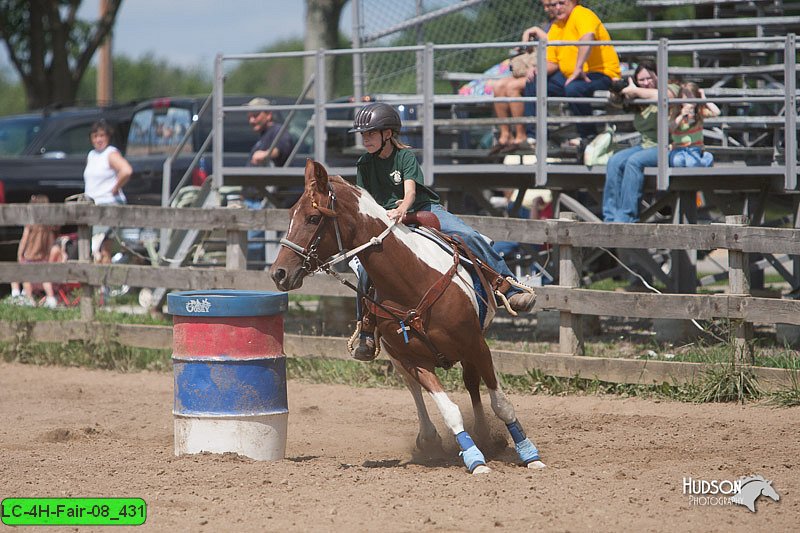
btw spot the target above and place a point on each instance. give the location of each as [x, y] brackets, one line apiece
[398, 212]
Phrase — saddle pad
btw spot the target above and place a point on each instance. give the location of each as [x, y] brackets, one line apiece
[479, 292]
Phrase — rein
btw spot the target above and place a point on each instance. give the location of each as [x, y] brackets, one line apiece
[312, 264]
[309, 254]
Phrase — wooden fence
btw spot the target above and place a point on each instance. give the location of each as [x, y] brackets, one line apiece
[568, 238]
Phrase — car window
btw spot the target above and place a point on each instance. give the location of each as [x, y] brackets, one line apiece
[72, 141]
[158, 132]
[139, 133]
[17, 133]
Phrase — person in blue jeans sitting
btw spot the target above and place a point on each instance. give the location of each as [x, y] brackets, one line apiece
[686, 129]
[625, 170]
[264, 123]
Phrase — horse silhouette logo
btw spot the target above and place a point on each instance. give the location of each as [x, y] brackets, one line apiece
[751, 488]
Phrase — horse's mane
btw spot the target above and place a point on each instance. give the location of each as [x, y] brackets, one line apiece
[745, 480]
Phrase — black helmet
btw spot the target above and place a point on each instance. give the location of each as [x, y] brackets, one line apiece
[376, 116]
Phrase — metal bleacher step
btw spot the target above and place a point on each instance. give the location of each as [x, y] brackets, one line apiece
[182, 241]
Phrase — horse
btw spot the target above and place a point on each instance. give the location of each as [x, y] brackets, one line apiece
[334, 220]
[751, 488]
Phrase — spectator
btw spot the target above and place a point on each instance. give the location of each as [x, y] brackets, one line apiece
[575, 71]
[264, 124]
[105, 175]
[63, 249]
[625, 169]
[686, 129]
[34, 247]
[512, 87]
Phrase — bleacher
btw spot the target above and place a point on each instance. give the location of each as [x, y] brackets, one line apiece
[737, 55]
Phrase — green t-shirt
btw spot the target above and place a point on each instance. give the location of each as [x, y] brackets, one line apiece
[383, 179]
[646, 121]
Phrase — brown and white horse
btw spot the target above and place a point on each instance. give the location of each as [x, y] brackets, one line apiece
[332, 217]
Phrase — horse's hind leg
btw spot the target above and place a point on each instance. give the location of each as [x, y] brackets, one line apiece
[504, 409]
[472, 381]
[428, 439]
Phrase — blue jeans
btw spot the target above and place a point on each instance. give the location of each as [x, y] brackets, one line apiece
[556, 86]
[624, 182]
[255, 238]
[452, 225]
[690, 156]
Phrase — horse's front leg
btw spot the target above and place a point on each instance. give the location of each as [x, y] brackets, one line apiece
[472, 381]
[472, 456]
[428, 439]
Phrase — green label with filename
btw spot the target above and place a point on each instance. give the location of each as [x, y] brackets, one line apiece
[73, 511]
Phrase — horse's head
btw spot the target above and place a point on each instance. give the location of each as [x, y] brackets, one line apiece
[768, 491]
[314, 233]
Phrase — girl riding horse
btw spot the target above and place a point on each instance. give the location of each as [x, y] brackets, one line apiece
[335, 221]
[390, 172]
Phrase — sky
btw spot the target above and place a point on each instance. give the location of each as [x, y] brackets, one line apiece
[189, 33]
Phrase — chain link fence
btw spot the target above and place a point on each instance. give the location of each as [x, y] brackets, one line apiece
[410, 22]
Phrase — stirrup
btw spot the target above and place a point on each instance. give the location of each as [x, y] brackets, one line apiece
[351, 342]
[504, 300]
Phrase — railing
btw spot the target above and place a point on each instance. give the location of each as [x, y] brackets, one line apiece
[568, 238]
[664, 50]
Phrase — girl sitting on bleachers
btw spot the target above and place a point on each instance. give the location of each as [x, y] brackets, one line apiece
[686, 129]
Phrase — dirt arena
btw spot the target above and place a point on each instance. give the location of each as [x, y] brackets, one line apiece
[615, 464]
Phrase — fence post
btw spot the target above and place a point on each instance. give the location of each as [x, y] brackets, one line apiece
[739, 283]
[570, 330]
[236, 249]
[85, 257]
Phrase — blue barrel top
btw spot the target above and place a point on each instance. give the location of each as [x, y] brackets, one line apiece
[227, 303]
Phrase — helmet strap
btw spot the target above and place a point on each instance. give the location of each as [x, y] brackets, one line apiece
[383, 143]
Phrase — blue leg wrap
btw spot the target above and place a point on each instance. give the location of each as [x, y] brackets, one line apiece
[470, 453]
[526, 450]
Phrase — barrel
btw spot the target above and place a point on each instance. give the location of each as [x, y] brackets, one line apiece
[229, 372]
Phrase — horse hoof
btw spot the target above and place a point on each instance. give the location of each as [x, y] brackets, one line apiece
[429, 445]
[481, 469]
[536, 465]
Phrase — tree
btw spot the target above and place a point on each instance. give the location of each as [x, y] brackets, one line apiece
[50, 47]
[322, 31]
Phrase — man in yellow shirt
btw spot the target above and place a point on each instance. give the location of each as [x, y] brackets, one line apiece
[576, 71]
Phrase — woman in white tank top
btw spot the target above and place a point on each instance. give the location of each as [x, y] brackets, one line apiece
[105, 174]
[106, 170]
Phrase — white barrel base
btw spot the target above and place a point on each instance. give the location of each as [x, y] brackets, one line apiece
[259, 437]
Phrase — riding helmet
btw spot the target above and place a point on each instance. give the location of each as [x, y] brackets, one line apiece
[376, 116]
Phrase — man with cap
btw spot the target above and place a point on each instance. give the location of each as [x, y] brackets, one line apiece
[263, 123]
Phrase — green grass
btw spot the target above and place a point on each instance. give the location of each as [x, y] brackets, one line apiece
[723, 382]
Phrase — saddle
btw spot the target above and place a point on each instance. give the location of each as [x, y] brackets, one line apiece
[415, 317]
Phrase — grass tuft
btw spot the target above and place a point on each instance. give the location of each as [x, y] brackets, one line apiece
[728, 382]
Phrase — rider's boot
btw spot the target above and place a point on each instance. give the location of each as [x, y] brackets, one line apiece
[366, 349]
[522, 302]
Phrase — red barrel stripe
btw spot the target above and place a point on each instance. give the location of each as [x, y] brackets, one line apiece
[235, 337]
